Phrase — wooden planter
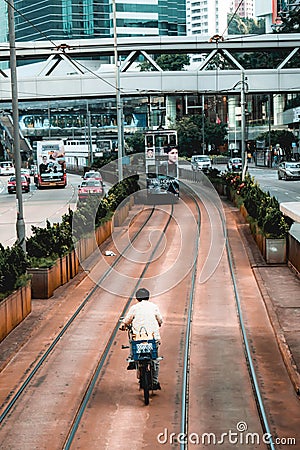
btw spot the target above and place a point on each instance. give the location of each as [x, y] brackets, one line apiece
[14, 309]
[121, 214]
[46, 279]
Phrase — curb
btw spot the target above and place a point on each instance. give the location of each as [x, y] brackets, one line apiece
[279, 334]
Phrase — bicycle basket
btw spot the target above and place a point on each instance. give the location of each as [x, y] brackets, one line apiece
[144, 349]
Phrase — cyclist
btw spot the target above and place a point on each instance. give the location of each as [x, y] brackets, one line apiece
[145, 315]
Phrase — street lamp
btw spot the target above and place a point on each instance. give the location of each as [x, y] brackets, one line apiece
[243, 125]
[20, 225]
[118, 97]
[90, 143]
[244, 88]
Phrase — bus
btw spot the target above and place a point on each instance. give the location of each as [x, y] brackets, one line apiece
[161, 157]
[51, 164]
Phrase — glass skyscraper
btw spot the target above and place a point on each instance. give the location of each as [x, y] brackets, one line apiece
[79, 19]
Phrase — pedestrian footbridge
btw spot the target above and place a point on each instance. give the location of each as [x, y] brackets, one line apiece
[73, 69]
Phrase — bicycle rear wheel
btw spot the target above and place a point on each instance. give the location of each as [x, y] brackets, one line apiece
[145, 382]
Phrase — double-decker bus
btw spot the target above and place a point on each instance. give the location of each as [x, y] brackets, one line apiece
[51, 164]
[161, 156]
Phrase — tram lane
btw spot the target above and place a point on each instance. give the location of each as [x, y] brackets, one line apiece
[58, 388]
[116, 416]
[220, 393]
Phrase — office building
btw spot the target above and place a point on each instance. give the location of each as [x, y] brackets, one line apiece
[207, 17]
[80, 19]
[245, 9]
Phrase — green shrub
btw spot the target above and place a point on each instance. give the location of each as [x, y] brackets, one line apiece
[47, 244]
[12, 268]
[261, 207]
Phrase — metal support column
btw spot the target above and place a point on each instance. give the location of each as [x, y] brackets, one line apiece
[243, 125]
[20, 225]
[118, 98]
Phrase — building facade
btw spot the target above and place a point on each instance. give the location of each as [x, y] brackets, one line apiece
[208, 17]
[79, 19]
[245, 9]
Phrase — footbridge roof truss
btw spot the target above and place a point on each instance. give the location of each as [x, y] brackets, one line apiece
[74, 69]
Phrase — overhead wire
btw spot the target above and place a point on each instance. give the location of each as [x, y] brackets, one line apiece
[232, 17]
[57, 46]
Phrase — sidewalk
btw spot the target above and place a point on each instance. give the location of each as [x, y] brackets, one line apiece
[280, 289]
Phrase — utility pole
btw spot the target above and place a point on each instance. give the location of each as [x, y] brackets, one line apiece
[203, 126]
[118, 97]
[20, 225]
[90, 143]
[243, 126]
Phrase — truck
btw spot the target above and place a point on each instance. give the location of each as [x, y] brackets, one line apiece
[51, 164]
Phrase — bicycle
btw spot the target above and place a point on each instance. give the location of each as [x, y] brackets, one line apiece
[144, 354]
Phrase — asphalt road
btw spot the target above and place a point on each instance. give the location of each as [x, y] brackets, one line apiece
[284, 191]
[38, 206]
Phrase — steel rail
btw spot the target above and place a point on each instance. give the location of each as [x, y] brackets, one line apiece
[251, 368]
[186, 357]
[248, 356]
[55, 341]
[95, 376]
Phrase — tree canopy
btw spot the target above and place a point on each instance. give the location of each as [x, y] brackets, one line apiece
[290, 22]
[284, 138]
[190, 134]
[167, 62]
[245, 25]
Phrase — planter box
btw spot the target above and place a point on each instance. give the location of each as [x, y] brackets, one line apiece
[45, 280]
[14, 309]
[221, 188]
[275, 251]
[244, 211]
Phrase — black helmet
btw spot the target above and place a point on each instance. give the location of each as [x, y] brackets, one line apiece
[142, 294]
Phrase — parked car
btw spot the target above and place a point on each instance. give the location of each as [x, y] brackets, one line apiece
[26, 173]
[289, 171]
[235, 165]
[200, 162]
[11, 185]
[93, 174]
[90, 188]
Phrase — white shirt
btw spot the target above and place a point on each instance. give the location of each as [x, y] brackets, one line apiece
[145, 318]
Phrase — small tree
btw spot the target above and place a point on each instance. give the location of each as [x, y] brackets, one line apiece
[284, 138]
[136, 142]
[166, 62]
[190, 134]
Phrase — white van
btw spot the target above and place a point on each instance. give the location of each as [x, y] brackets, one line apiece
[7, 168]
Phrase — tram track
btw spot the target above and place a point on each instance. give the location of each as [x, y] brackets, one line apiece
[258, 396]
[64, 328]
[104, 399]
[8, 410]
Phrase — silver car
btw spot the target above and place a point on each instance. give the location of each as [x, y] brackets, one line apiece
[200, 162]
[289, 171]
